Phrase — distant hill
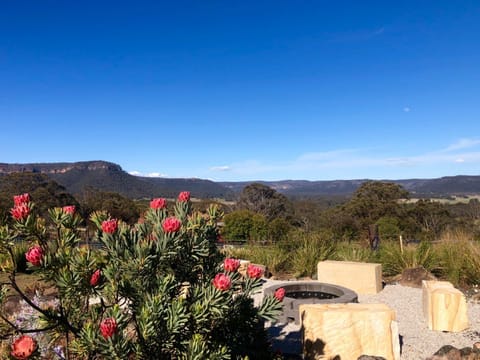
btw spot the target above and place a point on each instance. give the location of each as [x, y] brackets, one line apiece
[301, 188]
[441, 187]
[106, 176]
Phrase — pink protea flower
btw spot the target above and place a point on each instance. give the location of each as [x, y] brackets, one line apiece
[158, 203]
[222, 282]
[21, 199]
[34, 255]
[171, 224]
[184, 196]
[231, 265]
[279, 294]
[20, 212]
[69, 209]
[110, 226]
[108, 327]
[254, 272]
[23, 347]
[95, 278]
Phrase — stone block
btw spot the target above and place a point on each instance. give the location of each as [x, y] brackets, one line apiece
[444, 306]
[348, 331]
[363, 278]
[242, 269]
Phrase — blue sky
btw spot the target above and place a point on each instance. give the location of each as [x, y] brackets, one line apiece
[244, 90]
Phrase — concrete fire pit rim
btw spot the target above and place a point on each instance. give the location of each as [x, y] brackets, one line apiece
[346, 295]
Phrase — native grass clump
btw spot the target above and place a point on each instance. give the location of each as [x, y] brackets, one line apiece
[157, 290]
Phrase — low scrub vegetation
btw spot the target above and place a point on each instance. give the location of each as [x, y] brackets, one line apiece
[455, 257]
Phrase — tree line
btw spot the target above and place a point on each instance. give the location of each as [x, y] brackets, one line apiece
[263, 215]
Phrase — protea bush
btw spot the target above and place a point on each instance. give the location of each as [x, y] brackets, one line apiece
[158, 290]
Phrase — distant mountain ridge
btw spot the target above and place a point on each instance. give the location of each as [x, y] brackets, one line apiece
[107, 176]
[58, 168]
[444, 186]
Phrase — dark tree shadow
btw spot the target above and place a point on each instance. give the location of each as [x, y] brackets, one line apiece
[287, 342]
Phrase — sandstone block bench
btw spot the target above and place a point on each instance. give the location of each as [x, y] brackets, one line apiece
[444, 307]
[363, 278]
[347, 331]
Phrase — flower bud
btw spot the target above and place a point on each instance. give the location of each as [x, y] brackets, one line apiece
[254, 272]
[70, 209]
[184, 196]
[158, 203]
[108, 327]
[222, 282]
[23, 347]
[20, 212]
[231, 265]
[110, 226]
[171, 224]
[34, 255]
[21, 199]
[95, 278]
[279, 294]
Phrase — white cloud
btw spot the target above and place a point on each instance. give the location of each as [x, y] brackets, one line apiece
[155, 174]
[364, 160]
[463, 144]
[406, 109]
[357, 35]
[404, 161]
[325, 155]
[221, 168]
[152, 174]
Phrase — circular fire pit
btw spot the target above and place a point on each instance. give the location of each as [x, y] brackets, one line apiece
[309, 292]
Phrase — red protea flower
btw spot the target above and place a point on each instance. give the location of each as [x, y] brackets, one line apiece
[95, 278]
[184, 196]
[254, 272]
[110, 226]
[171, 224]
[158, 203]
[20, 212]
[21, 199]
[222, 282]
[23, 347]
[279, 294]
[230, 264]
[34, 255]
[108, 327]
[70, 209]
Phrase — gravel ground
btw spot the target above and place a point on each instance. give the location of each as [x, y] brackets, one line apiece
[418, 342]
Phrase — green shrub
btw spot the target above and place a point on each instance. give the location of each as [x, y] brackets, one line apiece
[4, 260]
[459, 261]
[349, 251]
[19, 251]
[388, 228]
[394, 260]
[273, 257]
[310, 248]
[162, 290]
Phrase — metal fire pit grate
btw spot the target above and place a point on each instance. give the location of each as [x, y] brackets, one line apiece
[309, 292]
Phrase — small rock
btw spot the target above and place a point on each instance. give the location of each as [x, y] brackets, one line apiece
[468, 354]
[413, 277]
